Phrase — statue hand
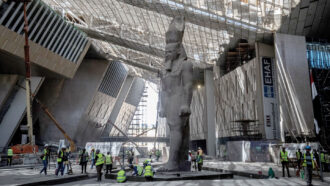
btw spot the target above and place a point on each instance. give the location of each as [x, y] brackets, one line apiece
[162, 113]
[184, 111]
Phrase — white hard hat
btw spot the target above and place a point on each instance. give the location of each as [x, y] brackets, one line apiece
[63, 147]
[46, 145]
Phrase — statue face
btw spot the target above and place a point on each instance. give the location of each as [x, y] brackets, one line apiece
[171, 53]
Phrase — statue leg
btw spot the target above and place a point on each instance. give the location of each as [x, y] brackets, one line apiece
[179, 145]
[175, 144]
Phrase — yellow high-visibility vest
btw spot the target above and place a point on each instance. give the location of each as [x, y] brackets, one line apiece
[322, 158]
[148, 171]
[59, 159]
[305, 161]
[10, 152]
[45, 154]
[298, 155]
[284, 156]
[108, 160]
[100, 159]
[121, 176]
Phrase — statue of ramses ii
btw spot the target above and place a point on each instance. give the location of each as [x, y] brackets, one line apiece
[176, 95]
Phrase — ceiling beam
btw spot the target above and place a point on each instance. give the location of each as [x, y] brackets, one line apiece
[116, 40]
[194, 15]
[111, 57]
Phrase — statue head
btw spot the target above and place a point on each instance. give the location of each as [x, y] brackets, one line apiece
[174, 48]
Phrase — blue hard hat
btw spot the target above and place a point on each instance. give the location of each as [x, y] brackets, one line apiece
[308, 147]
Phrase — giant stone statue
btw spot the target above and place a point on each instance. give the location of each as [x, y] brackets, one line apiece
[176, 95]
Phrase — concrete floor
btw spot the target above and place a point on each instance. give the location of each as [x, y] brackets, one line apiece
[234, 182]
[253, 168]
[18, 176]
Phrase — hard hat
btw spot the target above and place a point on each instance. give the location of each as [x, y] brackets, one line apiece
[308, 147]
[63, 147]
[46, 145]
[199, 148]
[97, 150]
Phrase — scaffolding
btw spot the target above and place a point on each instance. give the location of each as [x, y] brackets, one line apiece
[139, 125]
[318, 56]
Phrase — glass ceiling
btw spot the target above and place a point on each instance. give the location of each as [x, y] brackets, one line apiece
[134, 30]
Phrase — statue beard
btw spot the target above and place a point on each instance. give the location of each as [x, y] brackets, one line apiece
[178, 60]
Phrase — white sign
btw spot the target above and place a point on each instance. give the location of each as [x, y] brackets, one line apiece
[104, 147]
[271, 123]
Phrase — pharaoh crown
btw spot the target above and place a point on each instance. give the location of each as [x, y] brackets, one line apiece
[175, 30]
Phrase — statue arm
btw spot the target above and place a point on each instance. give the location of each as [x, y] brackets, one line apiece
[187, 83]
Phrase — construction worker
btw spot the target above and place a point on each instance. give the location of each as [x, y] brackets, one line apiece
[327, 161]
[158, 154]
[92, 157]
[284, 161]
[45, 157]
[150, 154]
[99, 161]
[199, 161]
[298, 156]
[323, 164]
[200, 151]
[9, 156]
[66, 161]
[121, 176]
[309, 162]
[130, 157]
[83, 157]
[108, 163]
[137, 170]
[60, 166]
[316, 155]
[148, 172]
[146, 162]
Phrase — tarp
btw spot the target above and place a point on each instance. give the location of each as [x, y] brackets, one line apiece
[104, 147]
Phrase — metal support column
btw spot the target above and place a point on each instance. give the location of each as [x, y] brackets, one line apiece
[210, 113]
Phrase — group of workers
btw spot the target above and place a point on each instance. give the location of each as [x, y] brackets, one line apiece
[196, 159]
[308, 160]
[147, 171]
[97, 160]
[62, 161]
[156, 152]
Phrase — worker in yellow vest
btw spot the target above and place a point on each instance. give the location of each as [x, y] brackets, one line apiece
[309, 162]
[199, 161]
[45, 157]
[99, 161]
[146, 162]
[323, 162]
[284, 161]
[299, 156]
[9, 156]
[121, 176]
[148, 172]
[138, 170]
[60, 166]
[327, 161]
[108, 163]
